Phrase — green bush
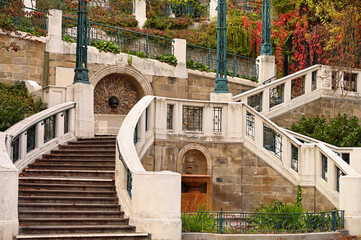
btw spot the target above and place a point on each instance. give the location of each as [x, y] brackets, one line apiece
[138, 54]
[340, 131]
[106, 46]
[171, 24]
[201, 221]
[16, 104]
[167, 58]
[68, 39]
[197, 66]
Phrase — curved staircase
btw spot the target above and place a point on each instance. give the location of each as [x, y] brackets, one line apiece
[70, 194]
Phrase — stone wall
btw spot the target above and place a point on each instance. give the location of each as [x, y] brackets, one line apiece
[25, 64]
[197, 87]
[240, 180]
[328, 107]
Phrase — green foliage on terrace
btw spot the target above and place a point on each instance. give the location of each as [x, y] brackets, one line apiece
[16, 104]
[341, 131]
[106, 46]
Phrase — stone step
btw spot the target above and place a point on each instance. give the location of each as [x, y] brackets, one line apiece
[77, 161]
[69, 173]
[102, 146]
[68, 207]
[95, 152]
[79, 156]
[76, 229]
[70, 199]
[73, 166]
[99, 236]
[69, 214]
[67, 193]
[73, 221]
[54, 186]
[67, 180]
[100, 138]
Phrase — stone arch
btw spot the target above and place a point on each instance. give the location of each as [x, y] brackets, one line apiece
[198, 147]
[139, 78]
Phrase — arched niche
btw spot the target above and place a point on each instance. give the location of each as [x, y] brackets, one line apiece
[201, 156]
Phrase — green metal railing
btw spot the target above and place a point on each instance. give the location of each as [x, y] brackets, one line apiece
[21, 18]
[113, 7]
[253, 223]
[192, 118]
[129, 173]
[128, 41]
[237, 65]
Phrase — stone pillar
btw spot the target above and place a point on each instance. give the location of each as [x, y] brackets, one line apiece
[350, 199]
[140, 12]
[53, 42]
[29, 4]
[221, 97]
[84, 98]
[180, 52]
[266, 67]
[213, 10]
[9, 224]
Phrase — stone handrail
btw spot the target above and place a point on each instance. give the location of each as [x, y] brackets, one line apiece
[23, 150]
[150, 199]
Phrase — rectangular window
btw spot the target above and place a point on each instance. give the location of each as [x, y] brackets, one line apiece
[272, 141]
[324, 167]
[49, 128]
[192, 118]
[66, 121]
[298, 87]
[314, 81]
[276, 95]
[169, 117]
[30, 138]
[350, 82]
[255, 102]
[217, 119]
[346, 157]
[294, 158]
[250, 125]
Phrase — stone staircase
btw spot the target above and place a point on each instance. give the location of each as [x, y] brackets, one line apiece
[70, 194]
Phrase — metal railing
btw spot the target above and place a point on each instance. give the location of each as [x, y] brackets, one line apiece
[113, 7]
[128, 173]
[129, 41]
[237, 65]
[253, 223]
[24, 19]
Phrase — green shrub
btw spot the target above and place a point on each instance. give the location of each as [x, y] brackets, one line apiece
[106, 46]
[197, 66]
[165, 23]
[339, 131]
[167, 58]
[201, 221]
[138, 54]
[68, 39]
[16, 104]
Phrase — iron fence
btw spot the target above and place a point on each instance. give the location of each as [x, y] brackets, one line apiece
[24, 19]
[129, 41]
[128, 172]
[248, 223]
[237, 65]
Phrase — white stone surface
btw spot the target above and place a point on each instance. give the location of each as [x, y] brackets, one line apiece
[221, 97]
[140, 12]
[9, 193]
[32, 86]
[266, 67]
[108, 124]
[213, 10]
[180, 52]
[54, 95]
[64, 76]
[54, 42]
[84, 98]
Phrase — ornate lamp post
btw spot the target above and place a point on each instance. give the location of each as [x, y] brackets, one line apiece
[266, 46]
[221, 76]
[81, 70]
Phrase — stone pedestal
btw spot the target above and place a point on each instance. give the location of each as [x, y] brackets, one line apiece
[180, 51]
[221, 97]
[84, 98]
[266, 67]
[54, 42]
[140, 12]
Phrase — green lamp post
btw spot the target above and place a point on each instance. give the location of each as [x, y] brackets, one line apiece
[81, 70]
[266, 46]
[221, 75]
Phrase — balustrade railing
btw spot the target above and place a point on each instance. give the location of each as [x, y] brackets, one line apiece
[33, 136]
[260, 223]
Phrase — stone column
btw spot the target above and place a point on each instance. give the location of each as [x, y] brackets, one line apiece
[350, 198]
[53, 42]
[84, 117]
[140, 12]
[29, 4]
[9, 224]
[213, 10]
[180, 52]
[266, 67]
